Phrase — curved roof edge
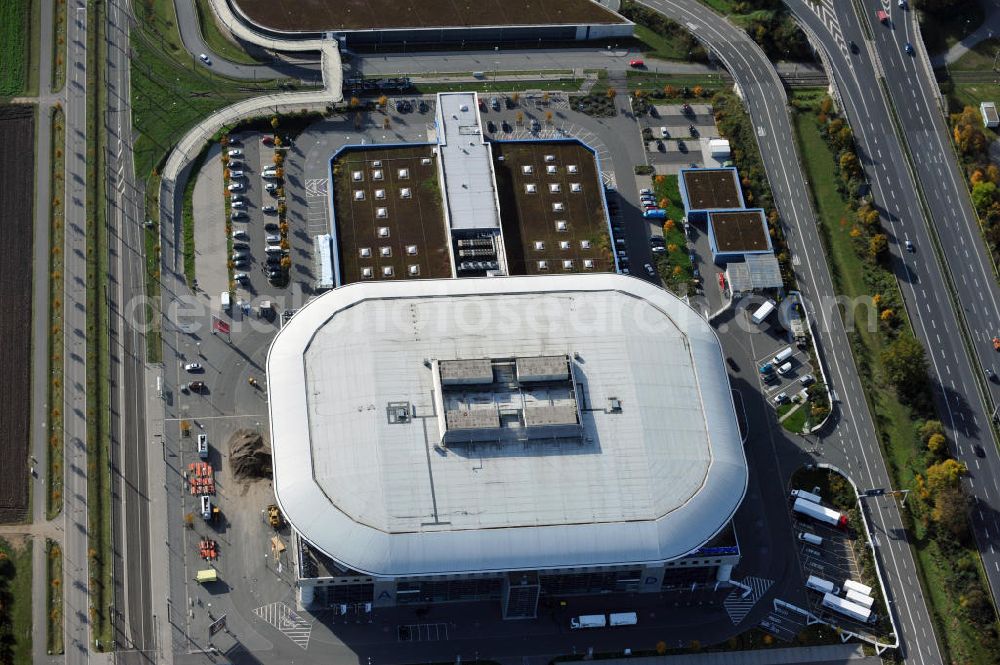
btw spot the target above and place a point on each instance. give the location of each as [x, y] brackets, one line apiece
[374, 552]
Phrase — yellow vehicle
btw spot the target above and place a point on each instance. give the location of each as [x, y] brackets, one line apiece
[207, 575]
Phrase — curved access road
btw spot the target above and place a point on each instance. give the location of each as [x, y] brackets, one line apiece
[190, 29]
[949, 247]
[853, 444]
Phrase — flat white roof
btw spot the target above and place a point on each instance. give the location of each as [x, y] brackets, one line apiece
[466, 162]
[651, 481]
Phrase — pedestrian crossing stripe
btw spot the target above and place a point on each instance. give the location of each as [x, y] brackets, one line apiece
[285, 619]
[737, 606]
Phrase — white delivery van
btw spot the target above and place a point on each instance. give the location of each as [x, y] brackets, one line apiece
[782, 356]
[224, 299]
[786, 368]
[811, 538]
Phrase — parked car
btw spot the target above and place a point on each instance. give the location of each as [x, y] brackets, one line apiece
[238, 204]
[235, 152]
[269, 209]
[806, 379]
[241, 277]
[234, 198]
[649, 269]
[234, 164]
[491, 127]
[242, 254]
[638, 64]
[196, 386]
[236, 187]
[240, 234]
[241, 246]
[267, 140]
[505, 126]
[780, 398]
[273, 239]
[235, 173]
[237, 214]
[495, 103]
[664, 133]
[271, 226]
[271, 187]
[241, 262]
[193, 367]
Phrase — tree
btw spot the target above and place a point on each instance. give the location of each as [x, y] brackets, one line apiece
[357, 120]
[355, 102]
[520, 118]
[274, 122]
[669, 91]
[697, 91]
[949, 511]
[545, 97]
[929, 429]
[849, 165]
[382, 101]
[548, 117]
[937, 445]
[516, 97]
[985, 194]
[944, 474]
[611, 93]
[905, 365]
[278, 159]
[877, 245]
[826, 105]
[386, 123]
[279, 172]
[286, 262]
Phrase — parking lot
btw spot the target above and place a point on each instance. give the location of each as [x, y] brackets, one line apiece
[785, 369]
[676, 136]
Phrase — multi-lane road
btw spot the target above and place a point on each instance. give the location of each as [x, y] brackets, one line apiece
[949, 247]
[853, 441]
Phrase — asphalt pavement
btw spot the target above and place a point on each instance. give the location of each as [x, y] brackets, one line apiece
[849, 441]
[957, 375]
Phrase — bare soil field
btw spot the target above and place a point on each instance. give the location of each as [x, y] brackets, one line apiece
[17, 136]
[319, 15]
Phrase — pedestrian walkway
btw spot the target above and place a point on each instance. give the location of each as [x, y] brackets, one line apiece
[739, 603]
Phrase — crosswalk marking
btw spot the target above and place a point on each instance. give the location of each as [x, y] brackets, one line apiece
[737, 606]
[282, 617]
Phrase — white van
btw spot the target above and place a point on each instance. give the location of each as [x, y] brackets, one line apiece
[786, 368]
[811, 538]
[224, 299]
[782, 356]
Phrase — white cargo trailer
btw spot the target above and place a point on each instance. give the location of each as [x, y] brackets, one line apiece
[588, 621]
[847, 608]
[821, 585]
[858, 586]
[623, 619]
[818, 512]
[763, 312]
[859, 598]
[808, 496]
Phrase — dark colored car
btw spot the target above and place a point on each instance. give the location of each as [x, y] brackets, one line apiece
[505, 127]
[491, 127]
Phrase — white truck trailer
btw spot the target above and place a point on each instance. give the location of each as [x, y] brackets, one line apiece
[623, 619]
[847, 608]
[818, 512]
[763, 312]
[808, 496]
[859, 598]
[857, 586]
[821, 585]
[588, 621]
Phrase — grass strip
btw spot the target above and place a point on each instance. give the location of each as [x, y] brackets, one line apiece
[15, 35]
[57, 287]
[54, 597]
[895, 423]
[59, 46]
[216, 40]
[187, 218]
[15, 601]
[35, 46]
[570, 84]
[151, 242]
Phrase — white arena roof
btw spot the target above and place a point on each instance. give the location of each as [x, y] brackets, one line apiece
[652, 471]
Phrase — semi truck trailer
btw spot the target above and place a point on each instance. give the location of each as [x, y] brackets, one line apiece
[859, 598]
[588, 621]
[858, 586]
[818, 512]
[821, 585]
[847, 608]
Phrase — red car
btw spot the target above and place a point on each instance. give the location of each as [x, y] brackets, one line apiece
[883, 16]
[636, 63]
[267, 140]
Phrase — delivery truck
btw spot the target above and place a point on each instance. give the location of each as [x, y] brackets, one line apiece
[588, 621]
[623, 619]
[808, 496]
[655, 213]
[763, 312]
[821, 585]
[207, 575]
[859, 598]
[847, 608]
[858, 586]
[818, 512]
[782, 356]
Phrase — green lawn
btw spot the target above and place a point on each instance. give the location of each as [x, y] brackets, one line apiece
[59, 45]
[981, 57]
[942, 31]
[15, 602]
[658, 46]
[56, 307]
[15, 44]
[797, 420]
[216, 40]
[895, 423]
[971, 94]
[666, 187]
[54, 571]
[571, 85]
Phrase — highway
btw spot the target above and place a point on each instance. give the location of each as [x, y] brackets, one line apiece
[134, 623]
[852, 441]
[76, 578]
[923, 275]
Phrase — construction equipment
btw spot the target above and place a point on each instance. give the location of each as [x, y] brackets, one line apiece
[274, 516]
[208, 549]
[201, 478]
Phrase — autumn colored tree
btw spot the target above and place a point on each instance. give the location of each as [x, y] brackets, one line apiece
[850, 167]
[669, 91]
[355, 102]
[697, 91]
[877, 245]
[382, 101]
[611, 93]
[274, 122]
